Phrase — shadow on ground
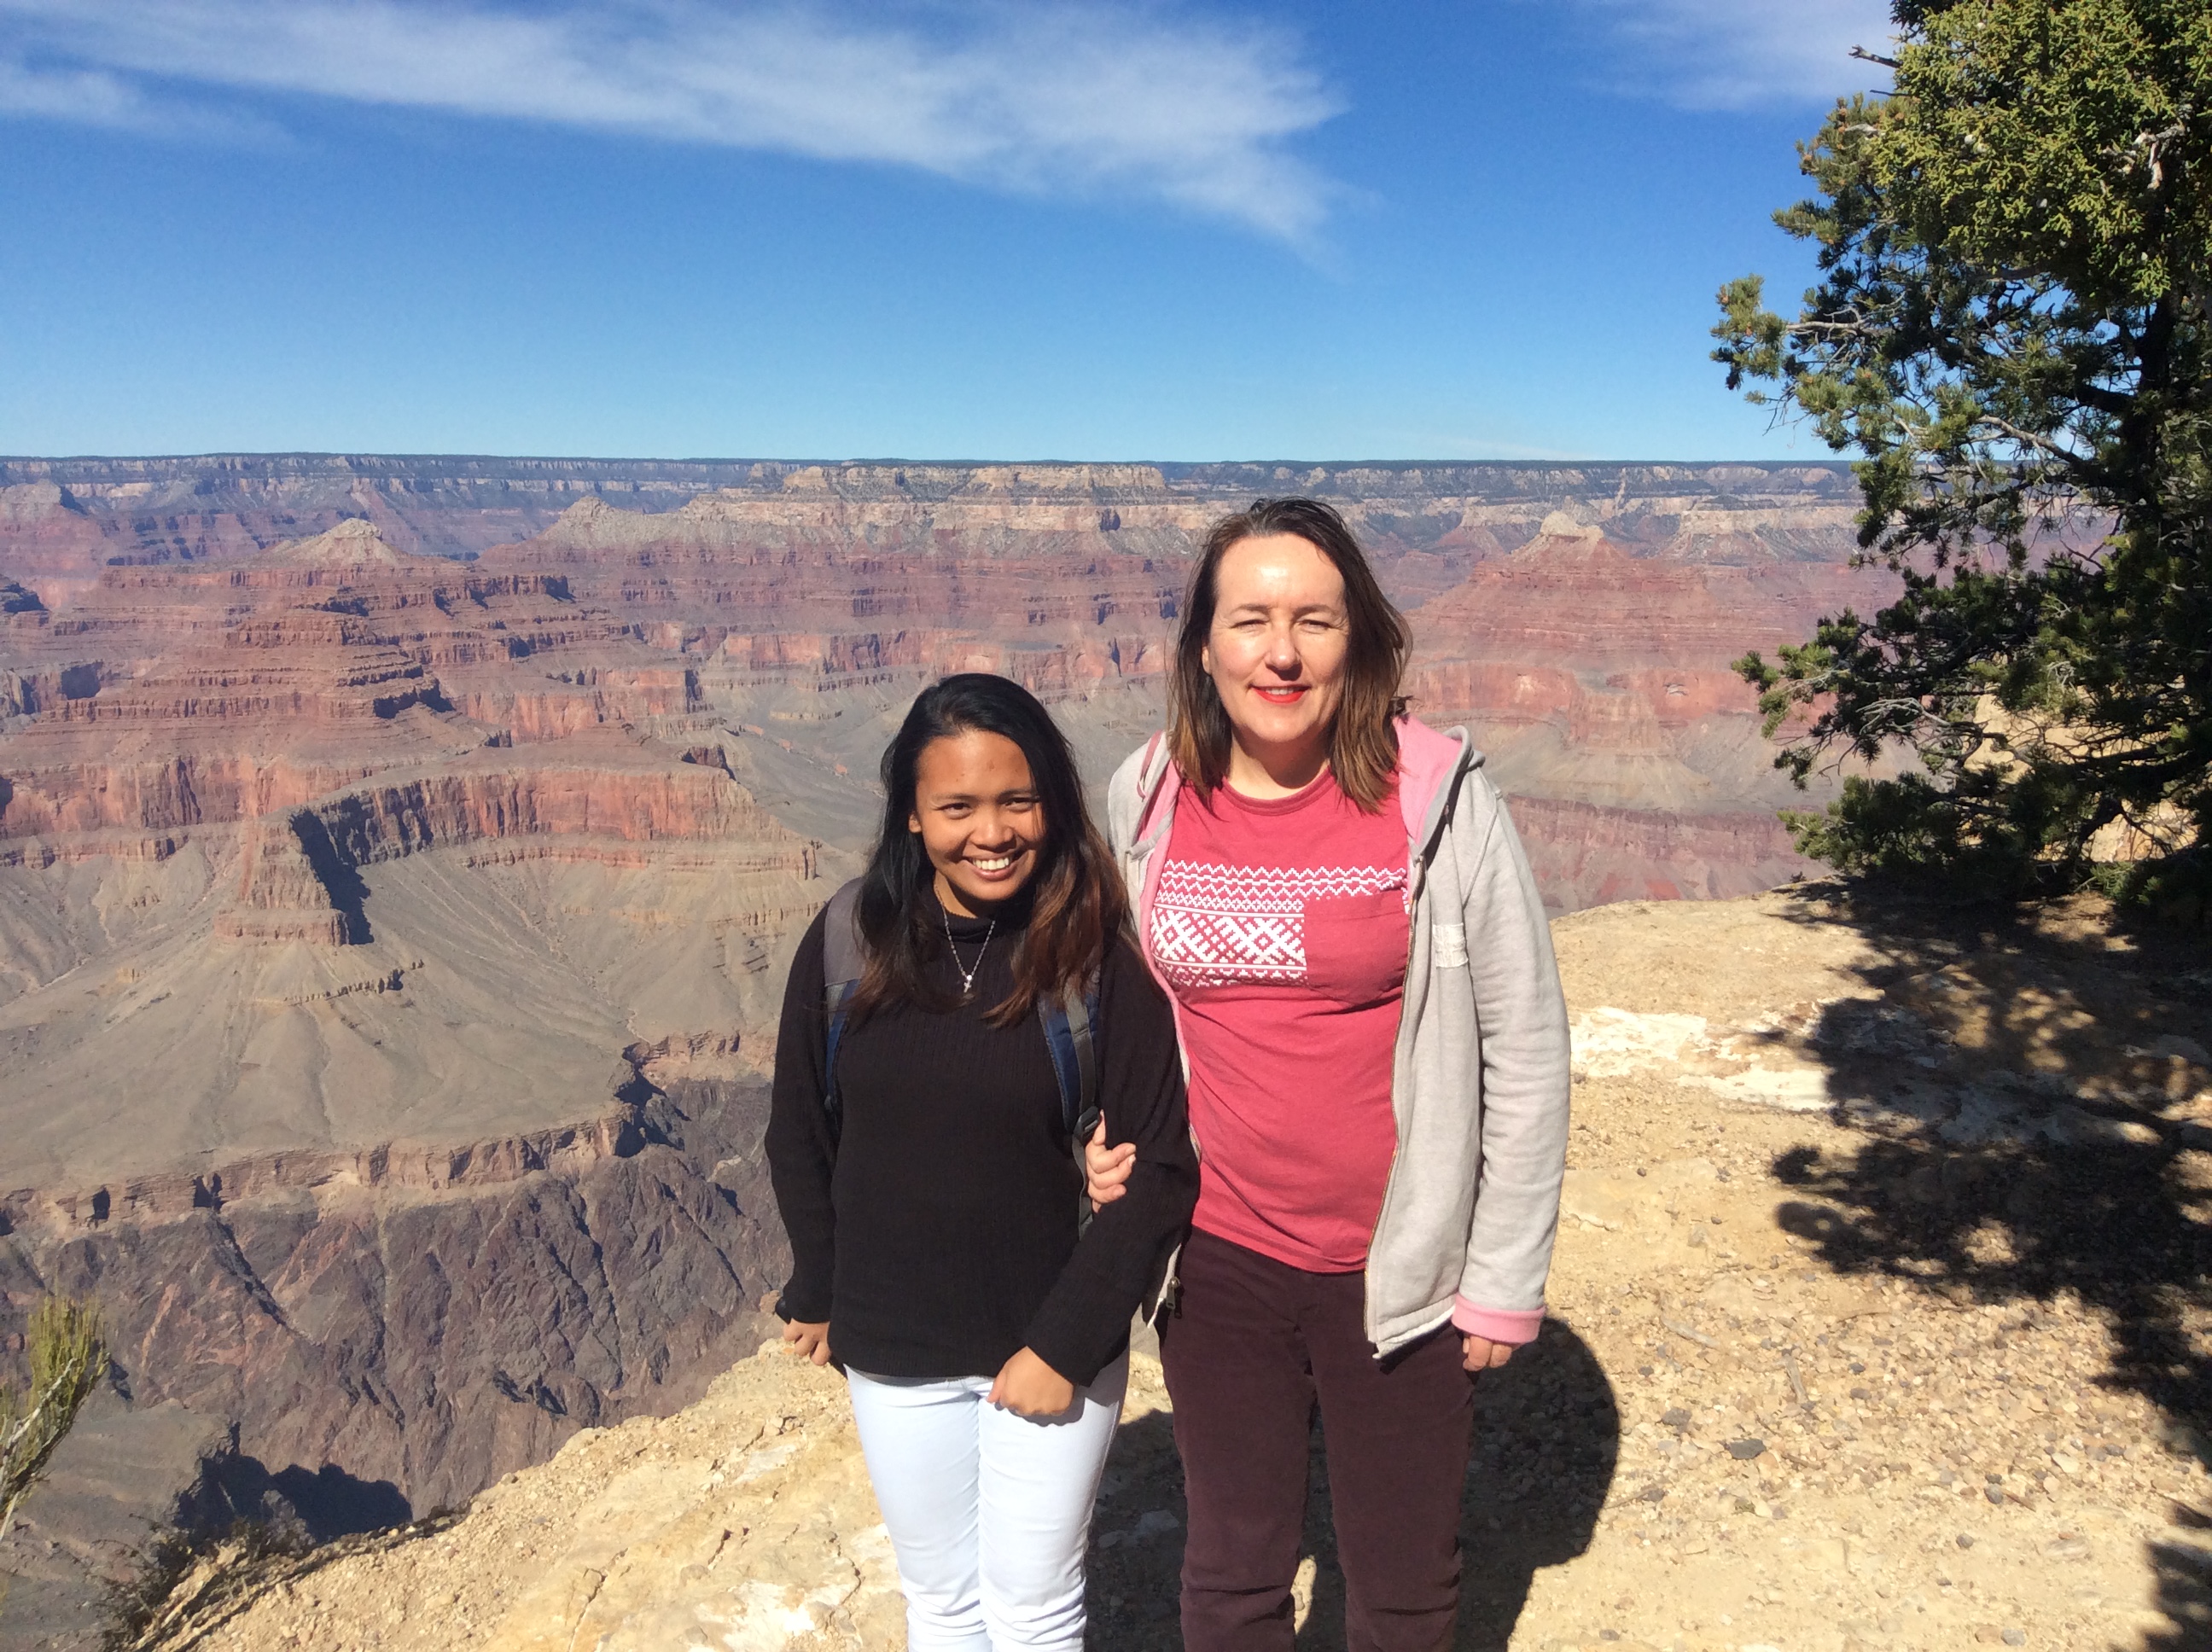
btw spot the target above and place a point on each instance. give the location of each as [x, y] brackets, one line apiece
[2027, 1088]
[302, 1505]
[2030, 1088]
[2183, 1577]
[1546, 1436]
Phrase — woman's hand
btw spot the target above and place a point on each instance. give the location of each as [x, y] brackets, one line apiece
[1029, 1387]
[812, 1340]
[1481, 1354]
[1107, 1167]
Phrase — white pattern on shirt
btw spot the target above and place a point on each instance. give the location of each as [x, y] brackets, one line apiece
[1220, 926]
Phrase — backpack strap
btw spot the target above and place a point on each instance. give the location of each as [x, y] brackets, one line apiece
[1070, 1033]
[840, 976]
[1070, 1024]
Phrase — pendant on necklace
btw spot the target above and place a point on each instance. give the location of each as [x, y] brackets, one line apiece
[967, 977]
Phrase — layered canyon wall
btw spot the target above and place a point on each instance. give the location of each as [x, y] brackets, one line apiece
[399, 859]
[389, 1079]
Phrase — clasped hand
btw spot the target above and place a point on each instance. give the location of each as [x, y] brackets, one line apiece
[1027, 1387]
[1107, 1168]
[809, 1338]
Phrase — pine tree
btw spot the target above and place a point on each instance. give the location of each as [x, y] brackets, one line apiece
[2014, 328]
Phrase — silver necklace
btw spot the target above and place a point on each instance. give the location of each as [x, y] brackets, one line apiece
[967, 977]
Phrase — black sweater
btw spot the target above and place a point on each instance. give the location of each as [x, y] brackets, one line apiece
[937, 1234]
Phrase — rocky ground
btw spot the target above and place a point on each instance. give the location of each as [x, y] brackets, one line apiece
[1879, 1322]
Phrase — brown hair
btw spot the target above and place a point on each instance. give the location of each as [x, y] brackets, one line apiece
[1363, 746]
[1078, 905]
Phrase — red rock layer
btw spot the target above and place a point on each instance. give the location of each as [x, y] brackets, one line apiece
[772, 581]
[1584, 855]
[231, 692]
[1601, 674]
[1584, 602]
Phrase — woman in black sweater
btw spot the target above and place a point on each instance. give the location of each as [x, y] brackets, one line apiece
[927, 1173]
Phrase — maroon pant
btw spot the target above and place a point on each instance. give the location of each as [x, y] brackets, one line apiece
[1253, 1345]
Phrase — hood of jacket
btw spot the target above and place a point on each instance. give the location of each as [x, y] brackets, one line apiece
[1429, 766]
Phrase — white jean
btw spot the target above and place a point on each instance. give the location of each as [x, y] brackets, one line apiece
[988, 1511]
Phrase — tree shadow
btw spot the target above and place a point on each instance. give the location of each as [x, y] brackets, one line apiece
[2182, 1590]
[1547, 1438]
[2033, 1093]
[2032, 1088]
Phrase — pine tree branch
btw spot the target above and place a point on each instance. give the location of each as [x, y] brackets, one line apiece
[2029, 439]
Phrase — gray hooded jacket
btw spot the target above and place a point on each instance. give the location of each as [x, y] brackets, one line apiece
[1479, 1073]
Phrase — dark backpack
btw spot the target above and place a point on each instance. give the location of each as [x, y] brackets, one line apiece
[1070, 1021]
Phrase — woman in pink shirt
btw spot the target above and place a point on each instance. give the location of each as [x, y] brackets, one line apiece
[1336, 901]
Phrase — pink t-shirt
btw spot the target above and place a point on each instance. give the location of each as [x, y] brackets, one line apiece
[1280, 926]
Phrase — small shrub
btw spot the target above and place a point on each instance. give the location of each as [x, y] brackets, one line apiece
[68, 1356]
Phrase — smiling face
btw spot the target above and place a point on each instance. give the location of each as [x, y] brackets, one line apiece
[980, 817]
[1275, 653]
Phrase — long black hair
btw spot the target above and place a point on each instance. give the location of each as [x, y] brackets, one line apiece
[1077, 905]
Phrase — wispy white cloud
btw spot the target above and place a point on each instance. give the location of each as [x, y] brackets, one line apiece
[1101, 98]
[97, 97]
[1741, 54]
[86, 95]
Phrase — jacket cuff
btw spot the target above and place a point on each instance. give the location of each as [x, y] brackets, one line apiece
[1070, 1342]
[1509, 1325]
[1083, 1325]
[794, 1304]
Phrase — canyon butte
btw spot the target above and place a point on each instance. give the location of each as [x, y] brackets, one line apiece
[399, 859]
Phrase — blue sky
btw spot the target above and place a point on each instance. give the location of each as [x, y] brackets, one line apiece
[922, 229]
